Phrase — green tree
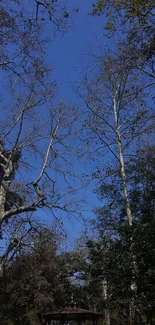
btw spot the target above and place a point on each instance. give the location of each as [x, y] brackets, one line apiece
[118, 114]
[140, 176]
[40, 287]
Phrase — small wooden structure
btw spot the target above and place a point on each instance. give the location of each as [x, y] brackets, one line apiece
[69, 315]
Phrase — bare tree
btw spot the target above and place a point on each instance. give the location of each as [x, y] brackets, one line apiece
[46, 136]
[119, 112]
[38, 131]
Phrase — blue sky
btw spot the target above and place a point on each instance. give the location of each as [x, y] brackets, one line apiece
[69, 54]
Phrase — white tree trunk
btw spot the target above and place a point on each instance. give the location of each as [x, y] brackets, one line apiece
[133, 285]
[105, 297]
[2, 200]
[122, 167]
[5, 180]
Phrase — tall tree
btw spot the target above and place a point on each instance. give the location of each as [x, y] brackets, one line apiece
[118, 114]
[37, 130]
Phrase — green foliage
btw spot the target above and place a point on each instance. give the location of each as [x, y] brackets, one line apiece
[109, 257]
[133, 18]
[39, 288]
[131, 8]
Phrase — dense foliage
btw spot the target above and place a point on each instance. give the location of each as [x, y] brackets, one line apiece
[34, 282]
[110, 257]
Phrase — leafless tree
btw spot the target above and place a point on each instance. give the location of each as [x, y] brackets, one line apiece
[38, 132]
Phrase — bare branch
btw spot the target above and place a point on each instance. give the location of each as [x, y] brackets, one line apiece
[47, 153]
[10, 213]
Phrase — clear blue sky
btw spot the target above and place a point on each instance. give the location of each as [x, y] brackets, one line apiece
[69, 52]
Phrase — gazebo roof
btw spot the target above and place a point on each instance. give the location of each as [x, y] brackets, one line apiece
[76, 314]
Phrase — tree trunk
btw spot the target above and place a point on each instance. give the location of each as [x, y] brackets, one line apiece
[133, 286]
[6, 168]
[2, 200]
[105, 297]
